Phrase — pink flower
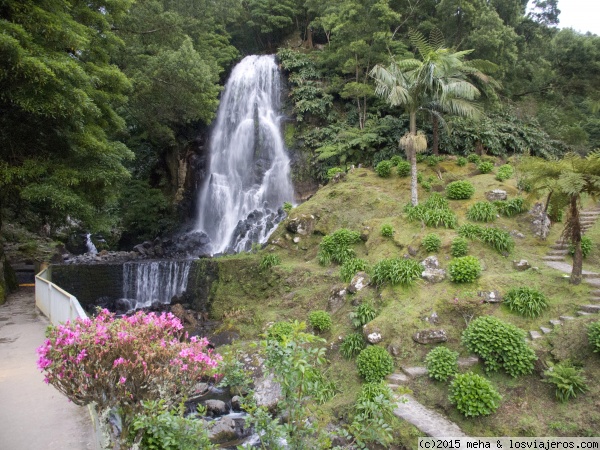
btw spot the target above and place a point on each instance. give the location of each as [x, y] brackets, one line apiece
[122, 380]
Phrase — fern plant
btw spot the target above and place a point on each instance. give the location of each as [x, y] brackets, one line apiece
[362, 315]
[567, 379]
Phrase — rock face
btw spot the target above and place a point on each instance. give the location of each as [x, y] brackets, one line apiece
[540, 223]
[228, 429]
[303, 224]
[216, 407]
[184, 315]
[521, 265]
[430, 336]
[267, 393]
[432, 272]
[360, 281]
[495, 195]
[490, 296]
[337, 299]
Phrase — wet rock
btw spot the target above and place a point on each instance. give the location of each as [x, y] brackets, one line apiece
[184, 315]
[430, 336]
[228, 429]
[495, 195]
[267, 393]
[216, 407]
[337, 299]
[359, 282]
[490, 296]
[521, 265]
[303, 225]
[236, 403]
[140, 249]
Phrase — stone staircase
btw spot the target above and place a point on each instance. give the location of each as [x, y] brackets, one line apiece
[560, 249]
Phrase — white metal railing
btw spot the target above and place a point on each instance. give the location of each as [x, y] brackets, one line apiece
[59, 306]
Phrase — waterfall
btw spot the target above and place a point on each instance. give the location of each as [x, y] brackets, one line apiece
[249, 170]
[91, 248]
[149, 283]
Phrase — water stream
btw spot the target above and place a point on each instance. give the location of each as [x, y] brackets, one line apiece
[249, 170]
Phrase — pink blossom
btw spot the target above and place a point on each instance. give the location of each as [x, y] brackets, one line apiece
[122, 380]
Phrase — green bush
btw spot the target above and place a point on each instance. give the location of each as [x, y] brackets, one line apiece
[279, 331]
[526, 301]
[512, 207]
[499, 240]
[499, 345]
[460, 190]
[287, 207]
[403, 168]
[396, 271]
[434, 212]
[436, 201]
[470, 231]
[432, 242]
[442, 363]
[374, 416]
[568, 380]
[351, 267]
[586, 247]
[362, 315]
[436, 218]
[461, 161]
[269, 261]
[374, 364]
[482, 212]
[594, 336]
[473, 158]
[524, 185]
[432, 160]
[352, 345]
[426, 185]
[415, 213]
[420, 157]
[333, 172]
[473, 395]
[485, 166]
[397, 159]
[387, 230]
[336, 246]
[320, 320]
[465, 269]
[459, 247]
[384, 169]
[504, 172]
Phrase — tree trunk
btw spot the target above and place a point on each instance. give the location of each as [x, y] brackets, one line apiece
[309, 38]
[575, 234]
[412, 155]
[436, 136]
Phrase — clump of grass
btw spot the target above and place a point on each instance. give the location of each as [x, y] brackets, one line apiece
[351, 267]
[336, 247]
[512, 207]
[526, 301]
[396, 271]
[482, 212]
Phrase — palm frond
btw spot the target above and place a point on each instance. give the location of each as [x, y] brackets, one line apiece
[417, 39]
[436, 39]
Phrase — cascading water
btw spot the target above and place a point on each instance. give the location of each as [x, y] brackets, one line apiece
[154, 282]
[249, 172]
[89, 245]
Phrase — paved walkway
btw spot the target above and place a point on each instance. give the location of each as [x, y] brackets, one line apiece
[428, 421]
[33, 415]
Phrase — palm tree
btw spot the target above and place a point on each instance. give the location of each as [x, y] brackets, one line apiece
[438, 77]
[570, 178]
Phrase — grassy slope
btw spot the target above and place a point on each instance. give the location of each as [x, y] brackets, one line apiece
[248, 299]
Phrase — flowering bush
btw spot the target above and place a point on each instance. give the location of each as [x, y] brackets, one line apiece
[118, 363]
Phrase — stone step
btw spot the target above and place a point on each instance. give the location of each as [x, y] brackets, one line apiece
[553, 258]
[468, 362]
[397, 378]
[583, 313]
[566, 318]
[595, 293]
[546, 330]
[559, 246]
[535, 334]
[590, 308]
[595, 282]
[556, 323]
[427, 420]
[558, 253]
[594, 299]
[414, 371]
[589, 275]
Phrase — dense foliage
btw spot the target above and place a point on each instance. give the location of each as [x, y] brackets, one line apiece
[567, 379]
[526, 301]
[474, 395]
[460, 190]
[374, 364]
[336, 247]
[396, 271]
[320, 320]
[464, 269]
[441, 363]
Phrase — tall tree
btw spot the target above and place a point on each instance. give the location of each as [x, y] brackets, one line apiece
[59, 96]
[415, 83]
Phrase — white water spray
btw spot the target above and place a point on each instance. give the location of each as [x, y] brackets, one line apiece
[249, 172]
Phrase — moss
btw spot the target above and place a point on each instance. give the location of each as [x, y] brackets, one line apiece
[289, 133]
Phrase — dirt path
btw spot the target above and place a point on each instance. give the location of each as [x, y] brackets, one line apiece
[33, 415]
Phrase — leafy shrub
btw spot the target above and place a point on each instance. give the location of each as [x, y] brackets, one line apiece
[470, 231]
[432, 160]
[432, 242]
[459, 247]
[336, 246]
[415, 213]
[320, 320]
[396, 271]
[161, 428]
[384, 169]
[594, 336]
[465, 269]
[403, 168]
[499, 345]
[512, 207]
[426, 185]
[351, 267]
[442, 363]
[526, 301]
[436, 218]
[482, 212]
[269, 261]
[374, 364]
[460, 190]
[473, 158]
[524, 185]
[436, 201]
[504, 172]
[420, 157]
[485, 167]
[498, 239]
[279, 331]
[473, 395]
[461, 161]
[287, 207]
[352, 345]
[373, 415]
[333, 172]
[387, 230]
[568, 380]
[570, 341]
[586, 247]
[397, 159]
[362, 315]
[434, 212]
